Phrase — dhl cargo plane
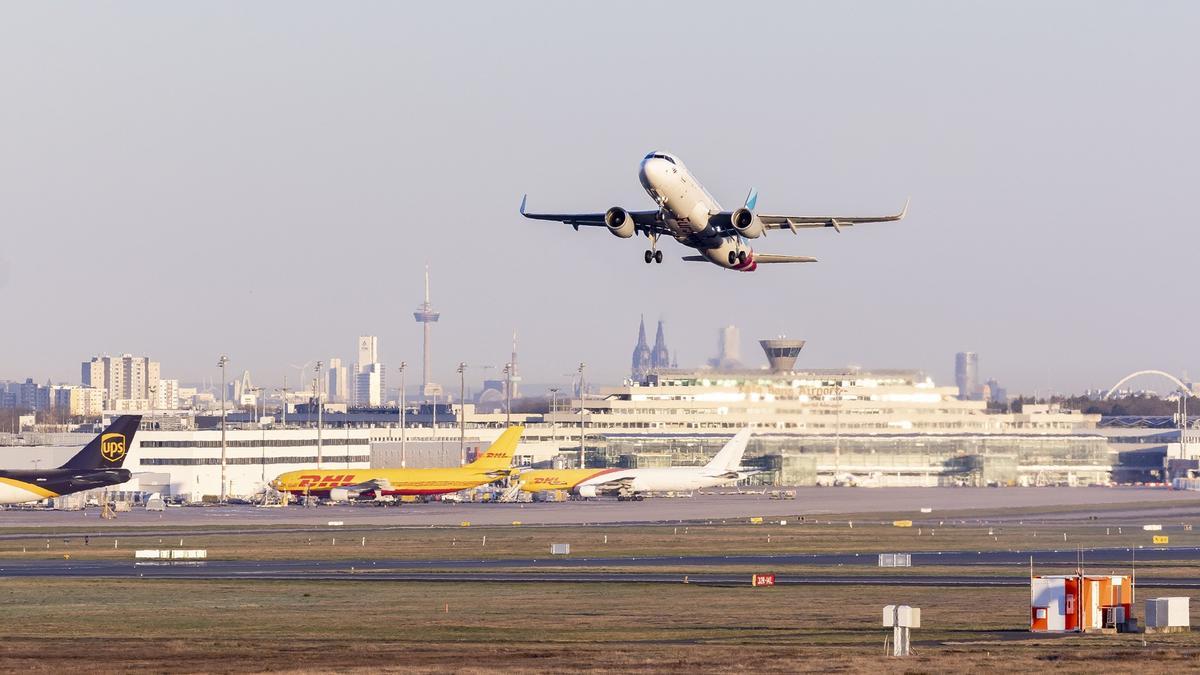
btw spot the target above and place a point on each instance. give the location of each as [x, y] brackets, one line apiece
[97, 465]
[344, 484]
[628, 484]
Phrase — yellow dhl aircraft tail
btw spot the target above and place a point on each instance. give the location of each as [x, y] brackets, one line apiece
[499, 455]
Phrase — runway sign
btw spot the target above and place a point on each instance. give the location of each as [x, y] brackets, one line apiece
[762, 580]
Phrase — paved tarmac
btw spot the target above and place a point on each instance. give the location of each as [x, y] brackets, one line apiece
[538, 567]
[385, 570]
[810, 503]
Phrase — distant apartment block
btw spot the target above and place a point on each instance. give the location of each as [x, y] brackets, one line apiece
[124, 377]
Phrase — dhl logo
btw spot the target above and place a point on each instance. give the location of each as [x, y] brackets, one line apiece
[547, 480]
[112, 447]
[322, 482]
[496, 455]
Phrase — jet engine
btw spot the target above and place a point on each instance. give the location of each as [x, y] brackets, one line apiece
[587, 491]
[619, 222]
[746, 223]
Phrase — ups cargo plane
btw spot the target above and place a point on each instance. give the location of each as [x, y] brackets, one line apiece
[629, 484]
[97, 465]
[687, 213]
[345, 484]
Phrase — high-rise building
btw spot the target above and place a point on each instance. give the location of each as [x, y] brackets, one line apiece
[125, 377]
[640, 364]
[371, 385]
[368, 350]
[729, 350]
[339, 384]
[660, 356]
[966, 375]
[166, 395]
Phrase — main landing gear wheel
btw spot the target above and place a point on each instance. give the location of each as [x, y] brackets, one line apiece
[658, 257]
[741, 257]
[733, 258]
[649, 256]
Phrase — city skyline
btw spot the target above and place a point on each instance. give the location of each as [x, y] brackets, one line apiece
[1047, 198]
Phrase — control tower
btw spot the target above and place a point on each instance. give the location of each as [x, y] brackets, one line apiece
[782, 353]
[426, 315]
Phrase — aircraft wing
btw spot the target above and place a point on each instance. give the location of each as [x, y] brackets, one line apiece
[646, 221]
[767, 258]
[779, 222]
[372, 485]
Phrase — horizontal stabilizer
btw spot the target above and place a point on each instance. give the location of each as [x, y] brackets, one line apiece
[695, 258]
[767, 258]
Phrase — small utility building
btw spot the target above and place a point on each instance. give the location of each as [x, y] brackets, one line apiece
[1080, 603]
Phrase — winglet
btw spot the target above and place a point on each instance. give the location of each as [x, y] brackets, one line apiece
[526, 196]
[904, 211]
[751, 199]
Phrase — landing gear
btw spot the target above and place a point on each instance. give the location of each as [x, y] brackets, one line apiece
[649, 256]
[741, 256]
[658, 257]
[630, 498]
[733, 257]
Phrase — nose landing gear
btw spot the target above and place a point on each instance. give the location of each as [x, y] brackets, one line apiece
[737, 257]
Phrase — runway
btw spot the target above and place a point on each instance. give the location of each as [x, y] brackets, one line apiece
[1037, 505]
[383, 570]
[553, 569]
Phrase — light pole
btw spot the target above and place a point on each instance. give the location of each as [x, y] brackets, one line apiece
[317, 386]
[462, 416]
[508, 368]
[224, 447]
[35, 463]
[283, 402]
[582, 408]
[403, 433]
[553, 405]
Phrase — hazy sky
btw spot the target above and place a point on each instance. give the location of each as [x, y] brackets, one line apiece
[268, 179]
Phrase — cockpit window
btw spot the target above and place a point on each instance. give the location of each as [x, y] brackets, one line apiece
[656, 155]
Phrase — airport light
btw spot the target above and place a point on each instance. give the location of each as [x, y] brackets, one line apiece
[508, 369]
[283, 392]
[462, 416]
[221, 362]
[553, 405]
[317, 387]
[403, 433]
[582, 408]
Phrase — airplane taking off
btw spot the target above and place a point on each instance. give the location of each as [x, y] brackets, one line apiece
[627, 484]
[688, 213]
[97, 465]
[345, 484]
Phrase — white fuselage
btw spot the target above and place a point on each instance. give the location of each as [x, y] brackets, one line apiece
[686, 207]
[15, 494]
[661, 480]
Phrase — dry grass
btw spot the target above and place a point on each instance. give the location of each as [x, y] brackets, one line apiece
[53, 625]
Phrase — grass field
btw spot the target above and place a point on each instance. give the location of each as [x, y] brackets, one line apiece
[602, 541]
[53, 625]
[116, 625]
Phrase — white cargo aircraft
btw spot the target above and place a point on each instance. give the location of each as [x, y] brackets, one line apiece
[628, 484]
[688, 213]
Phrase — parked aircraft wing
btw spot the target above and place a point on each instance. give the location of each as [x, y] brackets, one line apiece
[767, 258]
[645, 220]
[778, 222]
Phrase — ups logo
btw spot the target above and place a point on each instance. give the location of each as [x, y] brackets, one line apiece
[112, 447]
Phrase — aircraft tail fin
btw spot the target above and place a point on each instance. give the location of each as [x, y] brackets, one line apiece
[730, 456]
[751, 199]
[499, 455]
[108, 449]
